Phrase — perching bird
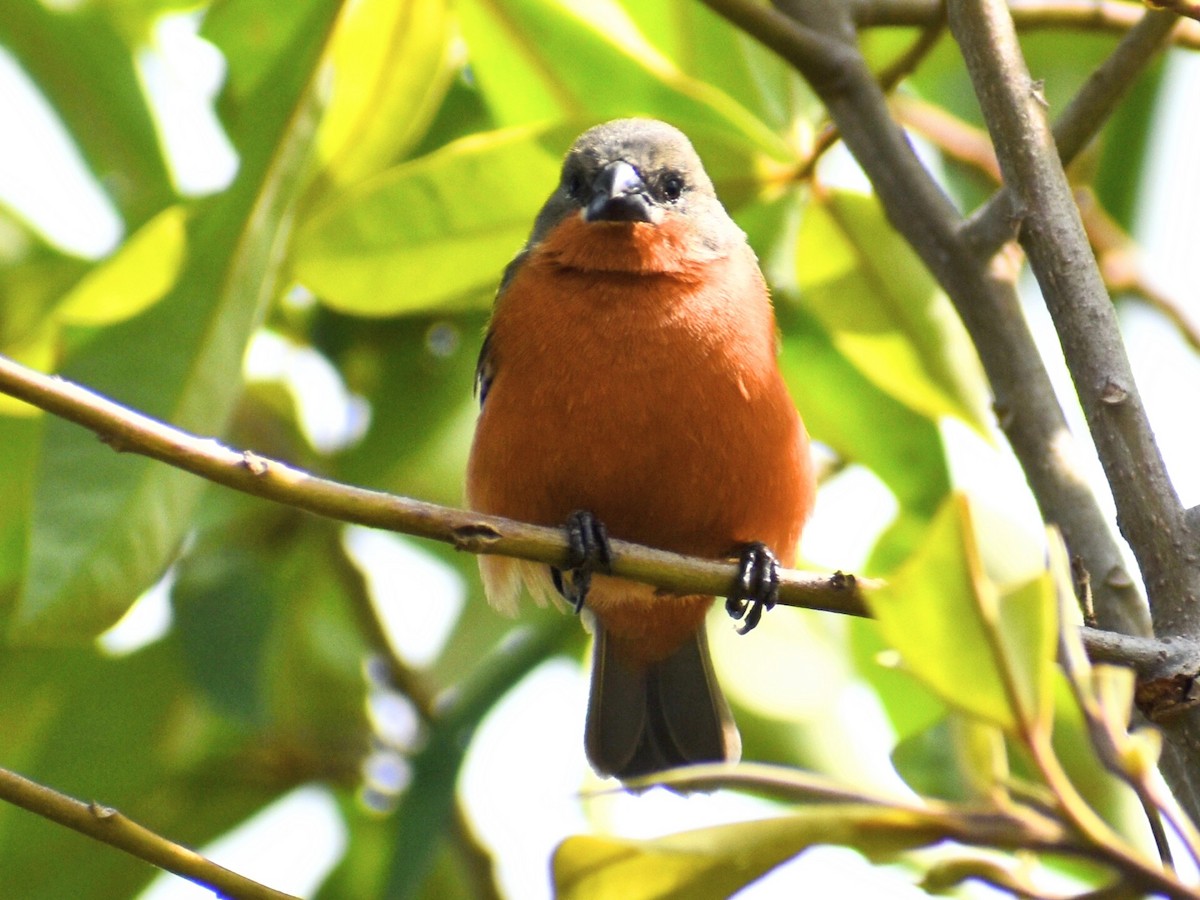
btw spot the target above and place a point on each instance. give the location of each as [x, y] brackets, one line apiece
[629, 377]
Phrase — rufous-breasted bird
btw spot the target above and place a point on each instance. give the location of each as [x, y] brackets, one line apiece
[629, 377]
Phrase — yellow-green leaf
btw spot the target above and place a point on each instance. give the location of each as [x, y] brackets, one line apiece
[990, 656]
[1029, 634]
[883, 309]
[391, 61]
[930, 610]
[716, 862]
[434, 231]
[138, 275]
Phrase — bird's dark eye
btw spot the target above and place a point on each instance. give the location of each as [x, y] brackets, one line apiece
[672, 185]
[574, 185]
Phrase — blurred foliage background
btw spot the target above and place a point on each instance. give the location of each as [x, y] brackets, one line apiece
[387, 159]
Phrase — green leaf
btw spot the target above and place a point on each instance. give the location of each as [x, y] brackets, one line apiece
[883, 310]
[84, 67]
[139, 274]
[959, 758]
[19, 438]
[716, 862]
[255, 36]
[432, 232]
[849, 413]
[988, 656]
[224, 601]
[417, 373]
[393, 64]
[551, 60]
[429, 799]
[105, 526]
[1029, 632]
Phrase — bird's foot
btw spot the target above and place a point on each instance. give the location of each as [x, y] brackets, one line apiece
[756, 588]
[588, 552]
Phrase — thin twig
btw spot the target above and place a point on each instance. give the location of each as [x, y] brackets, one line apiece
[1110, 16]
[133, 432]
[1118, 255]
[889, 77]
[129, 431]
[108, 825]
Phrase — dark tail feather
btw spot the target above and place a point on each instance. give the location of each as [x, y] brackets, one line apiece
[645, 719]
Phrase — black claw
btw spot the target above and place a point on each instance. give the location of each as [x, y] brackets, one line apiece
[587, 552]
[756, 588]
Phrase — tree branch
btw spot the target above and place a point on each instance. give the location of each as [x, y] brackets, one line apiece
[1053, 236]
[1112, 16]
[1148, 509]
[128, 431]
[984, 297]
[133, 432]
[106, 824]
[992, 224]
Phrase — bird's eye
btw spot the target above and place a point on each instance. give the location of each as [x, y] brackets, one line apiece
[672, 186]
[574, 185]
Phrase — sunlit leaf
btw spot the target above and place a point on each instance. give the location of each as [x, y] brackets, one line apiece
[104, 525]
[992, 658]
[37, 351]
[537, 60]
[435, 231]
[143, 270]
[1029, 633]
[716, 862]
[391, 63]
[883, 309]
[84, 66]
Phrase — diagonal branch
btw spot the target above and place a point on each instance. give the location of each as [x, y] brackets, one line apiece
[133, 432]
[985, 299]
[991, 225]
[128, 431]
[1053, 236]
[108, 825]
[1148, 509]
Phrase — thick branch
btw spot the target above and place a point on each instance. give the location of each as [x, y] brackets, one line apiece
[1052, 233]
[1148, 510]
[992, 224]
[108, 825]
[1149, 657]
[985, 299]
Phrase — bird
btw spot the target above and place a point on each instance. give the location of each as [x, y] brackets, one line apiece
[629, 388]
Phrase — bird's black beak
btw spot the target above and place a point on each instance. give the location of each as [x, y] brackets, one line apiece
[618, 195]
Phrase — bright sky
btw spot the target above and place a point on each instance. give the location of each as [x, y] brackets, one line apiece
[524, 802]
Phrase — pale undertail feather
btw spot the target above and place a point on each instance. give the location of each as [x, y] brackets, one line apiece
[502, 579]
[642, 720]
